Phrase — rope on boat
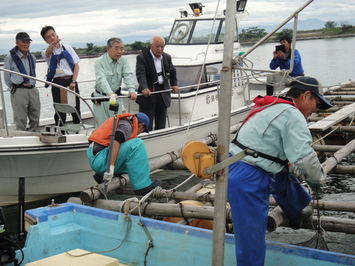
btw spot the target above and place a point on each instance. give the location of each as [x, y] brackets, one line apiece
[129, 226]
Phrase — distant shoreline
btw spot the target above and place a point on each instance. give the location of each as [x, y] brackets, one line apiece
[251, 42]
[304, 38]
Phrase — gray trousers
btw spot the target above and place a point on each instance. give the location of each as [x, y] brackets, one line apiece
[26, 104]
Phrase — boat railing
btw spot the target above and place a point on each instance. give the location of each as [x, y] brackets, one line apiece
[182, 90]
[4, 113]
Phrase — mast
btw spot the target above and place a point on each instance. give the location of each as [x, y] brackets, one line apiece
[223, 136]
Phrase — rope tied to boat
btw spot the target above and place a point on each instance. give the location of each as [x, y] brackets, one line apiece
[128, 228]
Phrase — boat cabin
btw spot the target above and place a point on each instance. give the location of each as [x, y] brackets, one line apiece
[195, 42]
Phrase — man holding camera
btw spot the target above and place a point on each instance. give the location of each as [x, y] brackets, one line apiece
[282, 59]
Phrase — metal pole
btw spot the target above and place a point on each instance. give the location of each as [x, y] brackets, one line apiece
[4, 108]
[224, 106]
[21, 210]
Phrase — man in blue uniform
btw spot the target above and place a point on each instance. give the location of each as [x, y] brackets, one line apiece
[277, 129]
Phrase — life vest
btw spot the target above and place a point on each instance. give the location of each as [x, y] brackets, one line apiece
[262, 102]
[54, 62]
[20, 66]
[101, 135]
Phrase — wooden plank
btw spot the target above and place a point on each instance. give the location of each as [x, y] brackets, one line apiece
[333, 119]
[76, 257]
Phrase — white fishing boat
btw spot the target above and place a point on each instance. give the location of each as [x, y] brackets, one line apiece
[60, 166]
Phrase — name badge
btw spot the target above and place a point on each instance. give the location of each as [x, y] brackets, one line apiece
[59, 71]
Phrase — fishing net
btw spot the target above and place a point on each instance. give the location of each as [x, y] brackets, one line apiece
[317, 241]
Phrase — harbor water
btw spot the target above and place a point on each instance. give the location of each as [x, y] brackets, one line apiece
[321, 59]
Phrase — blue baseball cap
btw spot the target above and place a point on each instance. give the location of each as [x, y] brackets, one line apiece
[143, 118]
[305, 83]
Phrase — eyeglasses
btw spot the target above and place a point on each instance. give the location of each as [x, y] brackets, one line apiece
[119, 49]
[25, 41]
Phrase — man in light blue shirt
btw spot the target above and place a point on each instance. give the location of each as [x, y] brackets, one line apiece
[275, 128]
[110, 69]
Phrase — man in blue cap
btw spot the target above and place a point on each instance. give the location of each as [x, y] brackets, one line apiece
[128, 152]
[276, 128]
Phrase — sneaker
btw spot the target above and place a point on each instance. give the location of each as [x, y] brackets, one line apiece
[147, 189]
[299, 219]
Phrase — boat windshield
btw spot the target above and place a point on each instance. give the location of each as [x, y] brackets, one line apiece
[198, 31]
[188, 76]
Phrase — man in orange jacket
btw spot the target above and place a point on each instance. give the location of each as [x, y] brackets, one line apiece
[128, 153]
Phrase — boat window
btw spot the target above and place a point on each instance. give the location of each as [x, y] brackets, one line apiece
[221, 35]
[188, 76]
[202, 31]
[180, 31]
[213, 72]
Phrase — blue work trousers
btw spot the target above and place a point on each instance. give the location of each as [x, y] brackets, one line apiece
[132, 159]
[249, 188]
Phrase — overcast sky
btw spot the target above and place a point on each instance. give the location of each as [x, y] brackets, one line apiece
[98, 20]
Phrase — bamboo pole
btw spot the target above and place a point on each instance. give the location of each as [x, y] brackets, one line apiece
[343, 169]
[156, 209]
[332, 162]
[94, 192]
[343, 206]
[276, 217]
[224, 112]
[206, 213]
[327, 148]
[340, 98]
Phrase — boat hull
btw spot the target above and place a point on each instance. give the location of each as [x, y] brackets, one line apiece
[48, 169]
[73, 226]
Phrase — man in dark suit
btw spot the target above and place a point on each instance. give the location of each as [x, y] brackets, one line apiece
[155, 72]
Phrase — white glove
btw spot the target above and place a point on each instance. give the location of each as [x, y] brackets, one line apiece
[295, 172]
[108, 176]
[312, 168]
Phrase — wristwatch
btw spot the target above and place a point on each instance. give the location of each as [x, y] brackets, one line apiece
[74, 81]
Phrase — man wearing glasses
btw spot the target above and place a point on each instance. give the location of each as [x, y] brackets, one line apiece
[110, 69]
[24, 94]
[155, 72]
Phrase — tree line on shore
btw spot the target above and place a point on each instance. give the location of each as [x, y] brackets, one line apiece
[249, 35]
